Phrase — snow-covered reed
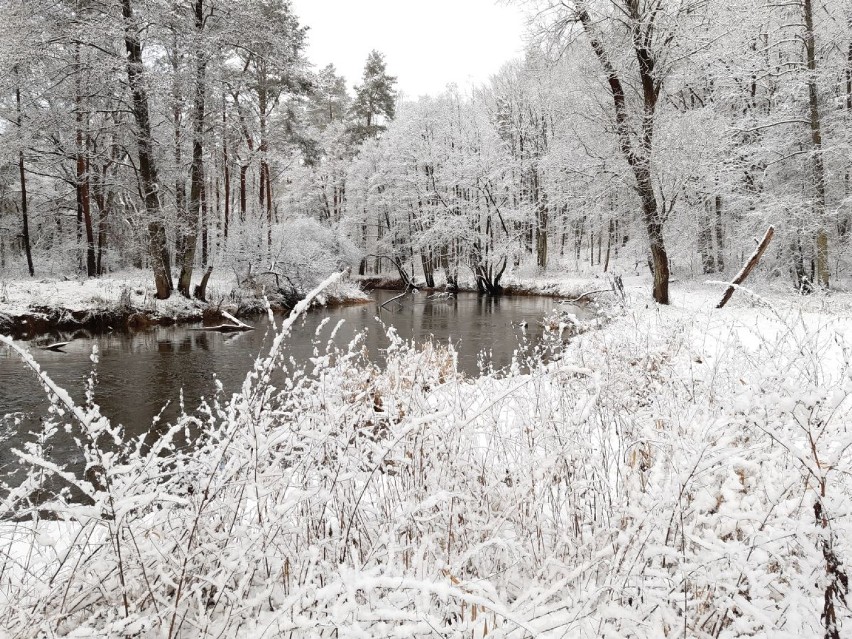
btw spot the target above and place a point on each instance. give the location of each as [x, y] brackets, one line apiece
[675, 474]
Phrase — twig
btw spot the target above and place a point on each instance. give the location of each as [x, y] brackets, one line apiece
[577, 299]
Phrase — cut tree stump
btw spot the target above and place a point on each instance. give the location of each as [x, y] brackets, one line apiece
[752, 262]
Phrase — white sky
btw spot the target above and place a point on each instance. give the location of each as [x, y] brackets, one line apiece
[427, 43]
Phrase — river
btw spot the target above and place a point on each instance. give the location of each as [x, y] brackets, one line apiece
[146, 373]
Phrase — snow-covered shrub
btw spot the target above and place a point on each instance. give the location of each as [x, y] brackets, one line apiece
[303, 252]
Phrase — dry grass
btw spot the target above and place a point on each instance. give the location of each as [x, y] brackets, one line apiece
[649, 484]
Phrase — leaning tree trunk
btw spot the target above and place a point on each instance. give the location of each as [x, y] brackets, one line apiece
[196, 177]
[148, 179]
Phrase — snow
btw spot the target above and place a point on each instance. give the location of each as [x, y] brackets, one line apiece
[657, 478]
[18, 296]
[132, 290]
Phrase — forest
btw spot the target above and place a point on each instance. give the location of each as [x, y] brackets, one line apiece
[176, 136]
[665, 451]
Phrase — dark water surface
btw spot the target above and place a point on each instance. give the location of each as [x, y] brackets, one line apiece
[140, 373]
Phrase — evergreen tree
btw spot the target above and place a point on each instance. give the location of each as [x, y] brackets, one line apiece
[375, 99]
[329, 100]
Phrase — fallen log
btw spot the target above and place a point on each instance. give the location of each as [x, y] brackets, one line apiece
[57, 347]
[224, 328]
[747, 268]
[237, 322]
[237, 325]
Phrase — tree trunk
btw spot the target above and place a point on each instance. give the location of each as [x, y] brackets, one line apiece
[205, 245]
[201, 289]
[705, 240]
[541, 220]
[747, 268]
[22, 175]
[600, 244]
[196, 173]
[265, 184]
[270, 217]
[243, 171]
[84, 201]
[103, 202]
[843, 217]
[720, 235]
[638, 155]
[817, 167]
[428, 268]
[609, 237]
[226, 169]
[180, 177]
[148, 179]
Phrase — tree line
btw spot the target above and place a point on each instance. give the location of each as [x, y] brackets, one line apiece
[150, 133]
[663, 134]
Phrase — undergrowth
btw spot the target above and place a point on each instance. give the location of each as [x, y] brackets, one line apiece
[673, 475]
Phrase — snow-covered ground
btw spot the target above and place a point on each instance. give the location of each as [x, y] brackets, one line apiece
[19, 296]
[684, 471]
[131, 292]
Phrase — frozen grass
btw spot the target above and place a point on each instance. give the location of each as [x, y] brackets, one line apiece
[683, 472]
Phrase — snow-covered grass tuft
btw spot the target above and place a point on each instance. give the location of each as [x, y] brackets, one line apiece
[678, 473]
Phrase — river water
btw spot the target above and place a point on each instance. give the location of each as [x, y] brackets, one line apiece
[143, 374]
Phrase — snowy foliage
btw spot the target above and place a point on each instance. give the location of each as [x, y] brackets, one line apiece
[303, 252]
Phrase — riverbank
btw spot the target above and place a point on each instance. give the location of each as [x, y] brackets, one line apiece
[125, 301]
[550, 285]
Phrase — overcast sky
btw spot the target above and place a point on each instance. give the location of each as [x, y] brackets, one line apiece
[427, 43]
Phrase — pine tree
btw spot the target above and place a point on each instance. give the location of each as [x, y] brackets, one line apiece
[375, 99]
[329, 100]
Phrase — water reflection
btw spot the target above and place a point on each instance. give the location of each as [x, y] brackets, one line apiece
[140, 373]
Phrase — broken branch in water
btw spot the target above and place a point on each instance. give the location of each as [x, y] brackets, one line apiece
[237, 322]
[394, 299]
[228, 328]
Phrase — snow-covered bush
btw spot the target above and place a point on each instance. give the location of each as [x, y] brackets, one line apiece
[303, 252]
